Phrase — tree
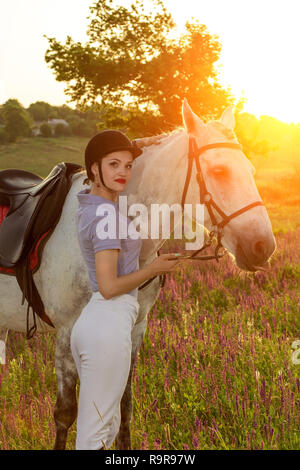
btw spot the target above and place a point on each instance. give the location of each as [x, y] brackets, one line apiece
[40, 110]
[4, 137]
[248, 130]
[46, 130]
[132, 66]
[61, 130]
[83, 128]
[17, 122]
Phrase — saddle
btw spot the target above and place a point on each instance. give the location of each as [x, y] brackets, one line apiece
[30, 207]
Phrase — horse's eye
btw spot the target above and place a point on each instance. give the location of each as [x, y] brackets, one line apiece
[220, 171]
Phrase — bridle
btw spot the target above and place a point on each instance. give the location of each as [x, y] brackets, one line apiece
[207, 199]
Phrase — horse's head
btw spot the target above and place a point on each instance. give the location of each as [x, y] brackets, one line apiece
[228, 176]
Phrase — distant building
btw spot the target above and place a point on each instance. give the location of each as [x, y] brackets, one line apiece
[54, 122]
[35, 131]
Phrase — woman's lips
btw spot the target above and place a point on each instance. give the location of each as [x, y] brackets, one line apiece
[121, 180]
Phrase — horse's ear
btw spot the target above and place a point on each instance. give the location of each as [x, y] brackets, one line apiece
[190, 119]
[228, 119]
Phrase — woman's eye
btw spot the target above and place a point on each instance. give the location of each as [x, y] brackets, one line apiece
[114, 164]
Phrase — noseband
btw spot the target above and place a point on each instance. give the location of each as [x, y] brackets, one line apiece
[207, 199]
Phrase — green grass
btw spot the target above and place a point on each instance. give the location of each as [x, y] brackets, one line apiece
[39, 155]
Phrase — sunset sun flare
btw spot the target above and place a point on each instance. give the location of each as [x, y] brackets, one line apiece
[258, 60]
[260, 50]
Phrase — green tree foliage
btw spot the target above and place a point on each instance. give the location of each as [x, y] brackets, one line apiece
[276, 129]
[133, 66]
[83, 128]
[4, 137]
[61, 130]
[248, 131]
[40, 110]
[17, 121]
[82, 124]
[46, 130]
[296, 135]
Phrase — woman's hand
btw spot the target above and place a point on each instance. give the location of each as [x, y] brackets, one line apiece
[164, 264]
[110, 284]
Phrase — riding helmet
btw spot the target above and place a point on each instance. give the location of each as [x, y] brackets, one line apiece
[103, 143]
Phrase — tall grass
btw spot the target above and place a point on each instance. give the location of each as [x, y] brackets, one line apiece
[215, 370]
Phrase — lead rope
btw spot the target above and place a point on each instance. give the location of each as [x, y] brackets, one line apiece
[162, 279]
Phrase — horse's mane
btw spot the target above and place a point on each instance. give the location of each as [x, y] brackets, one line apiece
[140, 142]
[224, 130]
[143, 142]
[155, 139]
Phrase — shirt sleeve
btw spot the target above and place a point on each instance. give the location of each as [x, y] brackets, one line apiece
[97, 230]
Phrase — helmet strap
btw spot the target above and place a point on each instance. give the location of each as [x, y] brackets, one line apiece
[101, 176]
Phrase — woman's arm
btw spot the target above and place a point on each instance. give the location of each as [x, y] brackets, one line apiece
[110, 284]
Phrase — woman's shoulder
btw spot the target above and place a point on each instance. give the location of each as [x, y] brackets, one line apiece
[93, 224]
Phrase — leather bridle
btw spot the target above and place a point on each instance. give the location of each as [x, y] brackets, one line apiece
[207, 199]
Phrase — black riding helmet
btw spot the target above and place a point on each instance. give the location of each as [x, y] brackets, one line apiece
[104, 143]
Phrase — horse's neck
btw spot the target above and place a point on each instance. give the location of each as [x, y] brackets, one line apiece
[158, 178]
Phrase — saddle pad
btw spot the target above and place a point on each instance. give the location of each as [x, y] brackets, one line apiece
[34, 256]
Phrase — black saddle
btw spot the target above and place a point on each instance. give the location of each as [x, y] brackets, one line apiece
[35, 206]
[26, 194]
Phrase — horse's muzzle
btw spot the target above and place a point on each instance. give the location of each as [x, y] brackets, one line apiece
[254, 254]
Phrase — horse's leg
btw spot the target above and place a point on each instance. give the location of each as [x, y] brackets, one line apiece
[3, 339]
[123, 439]
[65, 410]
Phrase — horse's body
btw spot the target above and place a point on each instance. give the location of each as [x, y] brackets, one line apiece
[158, 177]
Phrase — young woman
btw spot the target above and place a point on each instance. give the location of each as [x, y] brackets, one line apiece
[101, 336]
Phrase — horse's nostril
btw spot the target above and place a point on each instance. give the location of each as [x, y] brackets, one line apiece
[259, 248]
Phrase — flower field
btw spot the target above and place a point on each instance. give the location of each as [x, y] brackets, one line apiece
[215, 370]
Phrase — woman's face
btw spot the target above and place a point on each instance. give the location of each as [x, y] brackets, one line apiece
[116, 169]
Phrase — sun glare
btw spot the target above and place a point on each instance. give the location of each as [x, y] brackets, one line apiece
[266, 72]
[259, 59]
[260, 48]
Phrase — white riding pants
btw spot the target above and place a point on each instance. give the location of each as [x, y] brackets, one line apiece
[101, 347]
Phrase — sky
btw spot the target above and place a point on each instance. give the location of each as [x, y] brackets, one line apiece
[259, 59]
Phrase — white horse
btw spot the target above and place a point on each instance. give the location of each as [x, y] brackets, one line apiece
[158, 176]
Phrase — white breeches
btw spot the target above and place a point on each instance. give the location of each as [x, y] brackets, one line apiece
[101, 347]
